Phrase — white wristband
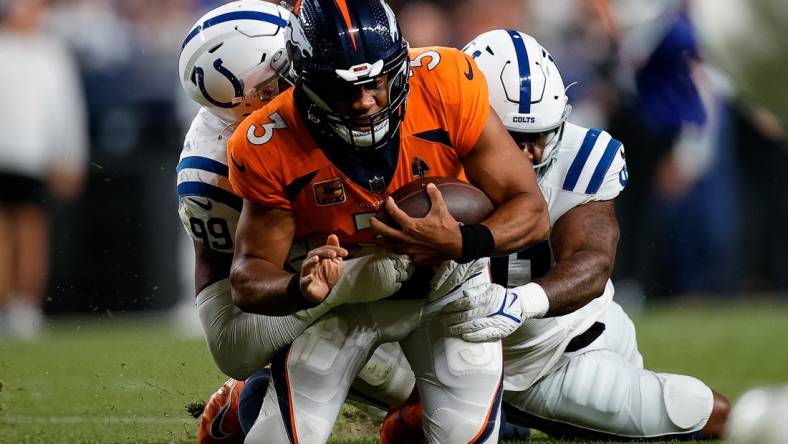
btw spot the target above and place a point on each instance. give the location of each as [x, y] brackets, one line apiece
[534, 300]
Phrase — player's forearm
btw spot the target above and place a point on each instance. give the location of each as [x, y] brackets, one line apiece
[209, 266]
[575, 281]
[519, 223]
[259, 286]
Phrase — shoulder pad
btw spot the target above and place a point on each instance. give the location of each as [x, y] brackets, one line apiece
[587, 164]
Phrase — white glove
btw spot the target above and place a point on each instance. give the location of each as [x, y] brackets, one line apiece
[370, 278]
[450, 275]
[489, 312]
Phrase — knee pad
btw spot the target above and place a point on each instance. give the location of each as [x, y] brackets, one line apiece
[462, 398]
[320, 366]
[319, 351]
[310, 380]
[594, 385]
[446, 425]
[387, 376]
[466, 358]
[688, 401]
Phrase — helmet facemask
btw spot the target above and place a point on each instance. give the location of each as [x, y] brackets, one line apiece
[370, 132]
[261, 84]
[552, 143]
[552, 140]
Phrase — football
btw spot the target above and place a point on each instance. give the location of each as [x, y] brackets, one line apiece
[466, 203]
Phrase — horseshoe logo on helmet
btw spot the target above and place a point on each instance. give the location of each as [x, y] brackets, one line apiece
[199, 75]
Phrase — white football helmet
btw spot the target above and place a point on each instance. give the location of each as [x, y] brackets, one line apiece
[233, 57]
[526, 89]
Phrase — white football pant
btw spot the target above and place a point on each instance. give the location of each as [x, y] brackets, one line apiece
[459, 382]
[242, 343]
[602, 392]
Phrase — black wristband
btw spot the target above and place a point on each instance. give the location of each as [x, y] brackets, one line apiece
[295, 294]
[477, 242]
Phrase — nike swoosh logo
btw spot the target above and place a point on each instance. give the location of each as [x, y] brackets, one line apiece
[241, 167]
[513, 300]
[469, 74]
[216, 424]
[207, 205]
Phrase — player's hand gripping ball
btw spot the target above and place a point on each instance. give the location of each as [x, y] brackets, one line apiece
[466, 203]
[422, 218]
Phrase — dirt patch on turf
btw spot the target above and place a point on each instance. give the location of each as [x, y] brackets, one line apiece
[354, 423]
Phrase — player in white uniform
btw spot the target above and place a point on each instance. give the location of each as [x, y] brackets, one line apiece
[572, 367]
[571, 363]
[230, 64]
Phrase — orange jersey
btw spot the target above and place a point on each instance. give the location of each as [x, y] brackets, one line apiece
[275, 161]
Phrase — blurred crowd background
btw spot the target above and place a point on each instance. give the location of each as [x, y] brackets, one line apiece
[92, 120]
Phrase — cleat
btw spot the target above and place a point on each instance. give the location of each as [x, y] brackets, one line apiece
[219, 423]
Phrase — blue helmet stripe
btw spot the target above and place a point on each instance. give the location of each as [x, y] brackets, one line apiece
[202, 163]
[604, 164]
[238, 15]
[525, 71]
[573, 175]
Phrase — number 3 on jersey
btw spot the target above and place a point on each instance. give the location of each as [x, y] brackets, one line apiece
[434, 59]
[277, 122]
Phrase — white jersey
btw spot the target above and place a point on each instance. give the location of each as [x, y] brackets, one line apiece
[589, 166]
[208, 208]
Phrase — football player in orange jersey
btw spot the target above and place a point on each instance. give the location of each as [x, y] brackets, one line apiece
[221, 69]
[320, 160]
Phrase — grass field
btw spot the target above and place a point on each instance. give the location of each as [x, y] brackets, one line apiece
[128, 378]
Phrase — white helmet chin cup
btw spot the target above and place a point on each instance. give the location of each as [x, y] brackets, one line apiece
[526, 89]
[362, 139]
[233, 56]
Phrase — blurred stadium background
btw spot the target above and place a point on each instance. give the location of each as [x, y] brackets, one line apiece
[694, 89]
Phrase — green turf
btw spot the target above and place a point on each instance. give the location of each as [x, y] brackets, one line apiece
[128, 379]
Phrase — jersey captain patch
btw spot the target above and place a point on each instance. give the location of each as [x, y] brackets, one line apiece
[329, 192]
